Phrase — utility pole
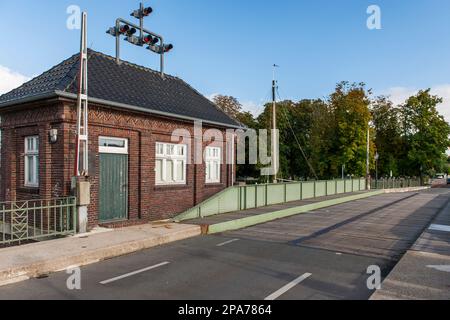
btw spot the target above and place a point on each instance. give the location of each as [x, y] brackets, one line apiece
[377, 157]
[80, 181]
[274, 128]
[81, 157]
[368, 160]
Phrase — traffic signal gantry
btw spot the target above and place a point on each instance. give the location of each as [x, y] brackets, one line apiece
[153, 41]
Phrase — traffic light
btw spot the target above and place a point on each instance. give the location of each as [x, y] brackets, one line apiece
[151, 40]
[131, 31]
[167, 47]
[124, 29]
[148, 39]
[133, 40]
[112, 31]
[160, 49]
[147, 11]
[138, 14]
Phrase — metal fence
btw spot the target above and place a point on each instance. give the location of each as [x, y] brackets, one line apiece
[255, 196]
[394, 183]
[23, 221]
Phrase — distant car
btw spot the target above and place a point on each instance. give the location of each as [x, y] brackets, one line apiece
[448, 181]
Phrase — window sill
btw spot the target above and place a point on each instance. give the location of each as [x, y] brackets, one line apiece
[214, 185]
[31, 190]
[171, 187]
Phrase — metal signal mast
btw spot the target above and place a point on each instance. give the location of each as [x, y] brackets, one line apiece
[81, 151]
[154, 41]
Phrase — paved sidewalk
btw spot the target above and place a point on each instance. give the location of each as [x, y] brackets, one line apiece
[424, 271]
[251, 217]
[37, 259]
[247, 218]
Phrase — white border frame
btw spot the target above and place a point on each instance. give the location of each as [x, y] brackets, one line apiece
[213, 159]
[28, 153]
[164, 157]
[113, 150]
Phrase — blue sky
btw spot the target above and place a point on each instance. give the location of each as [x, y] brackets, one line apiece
[228, 46]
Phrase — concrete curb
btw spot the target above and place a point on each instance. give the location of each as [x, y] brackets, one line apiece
[267, 217]
[23, 272]
[403, 190]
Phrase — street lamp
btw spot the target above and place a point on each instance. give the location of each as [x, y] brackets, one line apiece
[377, 157]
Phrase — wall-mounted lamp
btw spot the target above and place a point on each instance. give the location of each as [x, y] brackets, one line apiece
[53, 134]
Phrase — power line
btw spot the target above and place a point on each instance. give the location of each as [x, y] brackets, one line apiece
[296, 139]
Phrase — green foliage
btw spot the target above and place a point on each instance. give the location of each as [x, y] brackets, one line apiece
[426, 133]
[318, 137]
[349, 105]
[389, 142]
[228, 104]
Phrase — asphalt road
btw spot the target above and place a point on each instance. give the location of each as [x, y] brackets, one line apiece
[318, 255]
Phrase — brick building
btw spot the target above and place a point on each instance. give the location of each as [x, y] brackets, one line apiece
[137, 172]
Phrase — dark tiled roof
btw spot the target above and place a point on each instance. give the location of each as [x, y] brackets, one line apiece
[127, 84]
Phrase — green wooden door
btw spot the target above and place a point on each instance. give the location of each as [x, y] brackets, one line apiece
[113, 187]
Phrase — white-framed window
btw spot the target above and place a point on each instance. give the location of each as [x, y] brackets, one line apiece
[171, 160]
[113, 145]
[32, 161]
[213, 162]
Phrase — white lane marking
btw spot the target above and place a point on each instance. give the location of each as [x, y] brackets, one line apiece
[227, 242]
[443, 268]
[134, 273]
[439, 227]
[287, 287]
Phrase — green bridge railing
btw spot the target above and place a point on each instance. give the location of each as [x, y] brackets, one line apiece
[34, 220]
[256, 196]
[394, 183]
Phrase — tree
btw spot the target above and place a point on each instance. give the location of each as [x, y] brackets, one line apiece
[388, 139]
[247, 170]
[229, 105]
[426, 132]
[350, 108]
[233, 108]
[317, 137]
[321, 139]
[285, 136]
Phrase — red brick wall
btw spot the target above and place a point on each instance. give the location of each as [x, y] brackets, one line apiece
[147, 202]
[17, 125]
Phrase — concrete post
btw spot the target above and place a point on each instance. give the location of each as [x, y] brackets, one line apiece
[82, 190]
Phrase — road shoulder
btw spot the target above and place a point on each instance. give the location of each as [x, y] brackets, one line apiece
[33, 260]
